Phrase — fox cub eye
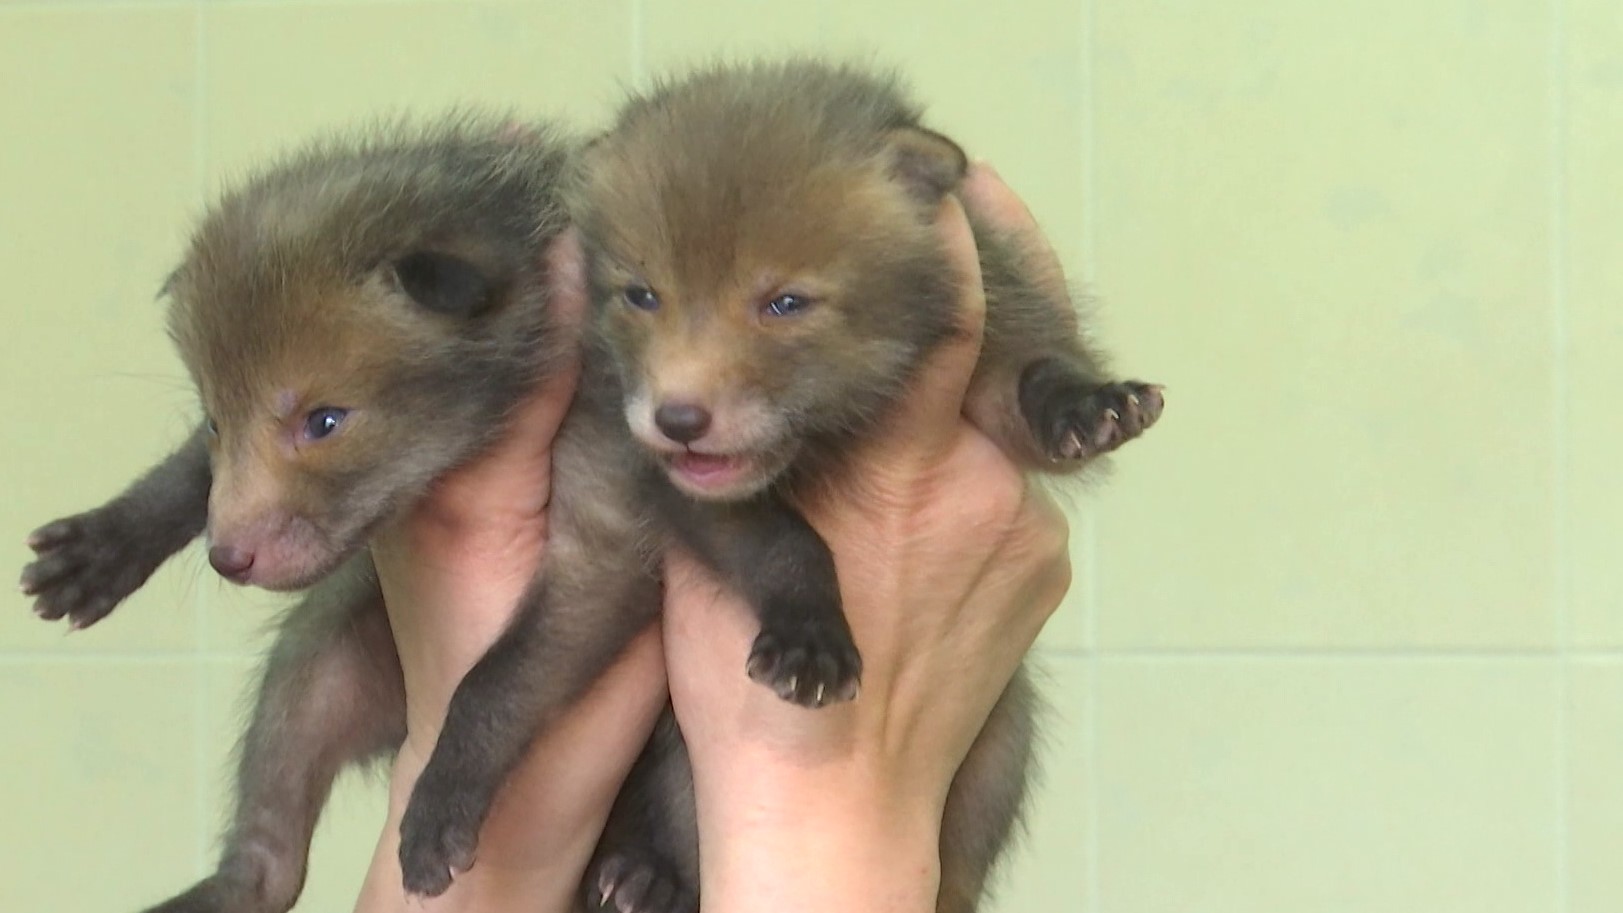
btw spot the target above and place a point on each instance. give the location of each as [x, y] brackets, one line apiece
[641, 298]
[323, 422]
[786, 305]
[213, 429]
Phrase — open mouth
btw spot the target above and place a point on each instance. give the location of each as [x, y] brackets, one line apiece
[713, 474]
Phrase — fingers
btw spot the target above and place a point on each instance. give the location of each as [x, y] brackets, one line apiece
[512, 479]
[699, 609]
[539, 417]
[994, 205]
[536, 419]
[990, 200]
[565, 261]
[928, 416]
[1043, 539]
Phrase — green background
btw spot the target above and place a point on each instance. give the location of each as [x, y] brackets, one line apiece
[1346, 629]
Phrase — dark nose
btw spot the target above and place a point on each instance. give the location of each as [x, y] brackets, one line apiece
[231, 563]
[682, 422]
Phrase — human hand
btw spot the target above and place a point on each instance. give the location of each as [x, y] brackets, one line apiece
[452, 572]
[949, 566]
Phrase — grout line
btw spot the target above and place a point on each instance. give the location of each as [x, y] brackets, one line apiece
[127, 657]
[1574, 656]
[1292, 654]
[1091, 702]
[34, 6]
[201, 623]
[1332, 654]
[1284, 655]
[200, 778]
[1091, 789]
[1560, 453]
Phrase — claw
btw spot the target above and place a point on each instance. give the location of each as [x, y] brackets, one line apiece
[1070, 448]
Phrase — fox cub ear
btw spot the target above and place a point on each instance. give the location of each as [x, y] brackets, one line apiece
[929, 164]
[444, 283]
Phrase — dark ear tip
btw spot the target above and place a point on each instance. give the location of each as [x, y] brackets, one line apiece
[443, 283]
[170, 284]
[931, 165]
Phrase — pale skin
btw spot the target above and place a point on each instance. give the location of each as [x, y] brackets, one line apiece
[949, 565]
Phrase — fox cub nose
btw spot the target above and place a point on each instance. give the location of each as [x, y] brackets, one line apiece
[682, 422]
[231, 563]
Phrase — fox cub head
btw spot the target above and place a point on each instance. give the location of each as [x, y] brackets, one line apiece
[765, 268]
[357, 321]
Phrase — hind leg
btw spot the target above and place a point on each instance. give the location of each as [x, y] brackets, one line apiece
[987, 798]
[1074, 418]
[1039, 389]
[573, 625]
[648, 858]
[331, 696]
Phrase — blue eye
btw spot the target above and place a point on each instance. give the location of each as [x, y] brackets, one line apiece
[323, 421]
[786, 305]
[640, 298]
[213, 429]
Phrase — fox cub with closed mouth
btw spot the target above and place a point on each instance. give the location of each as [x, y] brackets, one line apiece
[360, 319]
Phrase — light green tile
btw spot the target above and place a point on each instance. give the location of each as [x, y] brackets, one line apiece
[100, 787]
[237, 620]
[1326, 229]
[1596, 794]
[1594, 205]
[96, 184]
[278, 73]
[1014, 99]
[1048, 868]
[1337, 787]
[354, 814]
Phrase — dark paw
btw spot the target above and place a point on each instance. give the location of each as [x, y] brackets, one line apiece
[86, 565]
[438, 834]
[808, 664]
[635, 883]
[1102, 421]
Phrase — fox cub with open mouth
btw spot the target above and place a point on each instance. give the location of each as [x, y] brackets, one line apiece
[768, 278]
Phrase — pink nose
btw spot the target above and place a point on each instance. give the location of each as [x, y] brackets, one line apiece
[231, 563]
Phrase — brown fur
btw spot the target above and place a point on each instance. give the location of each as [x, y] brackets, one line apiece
[714, 196]
[397, 279]
[396, 275]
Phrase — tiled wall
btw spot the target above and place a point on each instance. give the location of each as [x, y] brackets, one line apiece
[1347, 633]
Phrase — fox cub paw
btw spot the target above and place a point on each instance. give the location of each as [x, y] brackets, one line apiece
[627, 882]
[1074, 419]
[438, 833]
[809, 664]
[84, 566]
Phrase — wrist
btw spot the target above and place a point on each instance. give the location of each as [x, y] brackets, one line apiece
[537, 881]
[846, 834]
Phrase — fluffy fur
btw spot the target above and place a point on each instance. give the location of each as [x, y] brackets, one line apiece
[388, 285]
[768, 279]
[362, 318]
